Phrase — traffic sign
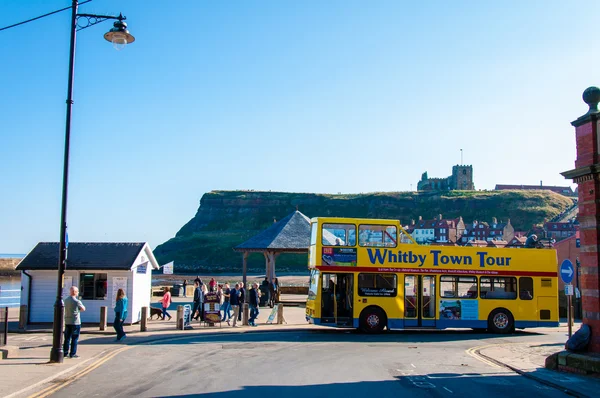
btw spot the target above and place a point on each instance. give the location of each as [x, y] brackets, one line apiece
[568, 290]
[567, 271]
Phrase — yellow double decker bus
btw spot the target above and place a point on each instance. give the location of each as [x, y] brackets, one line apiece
[370, 274]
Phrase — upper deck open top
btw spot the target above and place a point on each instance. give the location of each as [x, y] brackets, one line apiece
[377, 245]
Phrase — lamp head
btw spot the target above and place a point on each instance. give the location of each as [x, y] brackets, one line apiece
[119, 36]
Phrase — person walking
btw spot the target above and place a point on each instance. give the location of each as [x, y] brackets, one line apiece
[166, 302]
[242, 295]
[253, 301]
[234, 301]
[202, 300]
[212, 285]
[185, 287]
[198, 300]
[72, 322]
[276, 289]
[120, 314]
[226, 304]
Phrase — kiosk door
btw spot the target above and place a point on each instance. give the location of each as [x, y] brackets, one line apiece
[336, 299]
[419, 301]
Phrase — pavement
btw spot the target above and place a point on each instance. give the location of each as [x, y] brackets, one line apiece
[528, 359]
[30, 374]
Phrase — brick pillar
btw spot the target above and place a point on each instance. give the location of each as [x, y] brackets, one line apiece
[587, 175]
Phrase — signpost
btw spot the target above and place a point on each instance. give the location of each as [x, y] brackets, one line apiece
[273, 313]
[187, 312]
[168, 268]
[566, 274]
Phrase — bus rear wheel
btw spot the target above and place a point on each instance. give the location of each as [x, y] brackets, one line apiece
[501, 321]
[372, 320]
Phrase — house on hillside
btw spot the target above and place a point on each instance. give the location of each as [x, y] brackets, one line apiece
[561, 230]
[438, 230]
[488, 232]
[476, 243]
[518, 242]
[97, 269]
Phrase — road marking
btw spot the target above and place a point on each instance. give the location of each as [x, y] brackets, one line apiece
[449, 390]
[49, 379]
[473, 353]
[54, 388]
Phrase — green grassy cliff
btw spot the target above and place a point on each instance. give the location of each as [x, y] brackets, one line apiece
[228, 218]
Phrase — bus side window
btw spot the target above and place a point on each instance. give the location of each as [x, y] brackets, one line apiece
[525, 288]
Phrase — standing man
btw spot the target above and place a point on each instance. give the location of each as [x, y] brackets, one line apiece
[254, 300]
[198, 299]
[226, 303]
[242, 300]
[72, 322]
[234, 301]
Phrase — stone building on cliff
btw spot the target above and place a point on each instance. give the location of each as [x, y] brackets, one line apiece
[461, 179]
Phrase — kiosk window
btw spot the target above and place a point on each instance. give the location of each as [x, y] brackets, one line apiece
[458, 286]
[501, 288]
[377, 285]
[525, 288]
[93, 286]
[338, 235]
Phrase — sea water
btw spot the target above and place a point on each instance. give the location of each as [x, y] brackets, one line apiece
[10, 291]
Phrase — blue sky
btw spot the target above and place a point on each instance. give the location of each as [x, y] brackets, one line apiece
[304, 96]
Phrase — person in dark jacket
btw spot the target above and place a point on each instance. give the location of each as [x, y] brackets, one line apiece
[198, 299]
[234, 301]
[242, 295]
[253, 302]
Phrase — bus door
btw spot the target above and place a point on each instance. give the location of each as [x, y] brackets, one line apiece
[336, 299]
[419, 301]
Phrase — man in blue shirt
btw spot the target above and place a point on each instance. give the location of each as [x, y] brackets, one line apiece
[72, 322]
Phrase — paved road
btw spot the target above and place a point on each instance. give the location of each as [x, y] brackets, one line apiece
[313, 363]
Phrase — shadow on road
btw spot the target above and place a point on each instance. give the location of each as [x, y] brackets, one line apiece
[321, 335]
[434, 384]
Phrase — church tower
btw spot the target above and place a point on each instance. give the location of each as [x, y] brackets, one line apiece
[462, 178]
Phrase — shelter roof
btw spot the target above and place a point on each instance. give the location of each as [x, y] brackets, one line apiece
[290, 234]
[85, 256]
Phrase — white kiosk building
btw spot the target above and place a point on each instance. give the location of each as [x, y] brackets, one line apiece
[97, 269]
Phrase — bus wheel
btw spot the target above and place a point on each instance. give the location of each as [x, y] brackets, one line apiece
[501, 321]
[372, 320]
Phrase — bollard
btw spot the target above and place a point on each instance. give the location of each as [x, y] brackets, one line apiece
[280, 314]
[179, 317]
[103, 315]
[245, 314]
[144, 320]
[23, 317]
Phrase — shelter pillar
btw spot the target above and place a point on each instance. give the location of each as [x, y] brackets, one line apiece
[270, 258]
[587, 176]
[244, 268]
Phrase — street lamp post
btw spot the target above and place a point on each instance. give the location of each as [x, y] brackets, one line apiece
[119, 36]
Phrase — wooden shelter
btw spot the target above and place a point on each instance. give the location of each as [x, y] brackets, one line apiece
[288, 235]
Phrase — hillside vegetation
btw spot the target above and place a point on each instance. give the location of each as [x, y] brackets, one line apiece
[228, 218]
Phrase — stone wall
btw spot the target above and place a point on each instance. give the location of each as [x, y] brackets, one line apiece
[8, 265]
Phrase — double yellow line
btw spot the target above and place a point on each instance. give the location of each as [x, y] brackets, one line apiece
[54, 388]
[474, 352]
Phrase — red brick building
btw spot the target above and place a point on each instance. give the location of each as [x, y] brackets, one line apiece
[587, 175]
